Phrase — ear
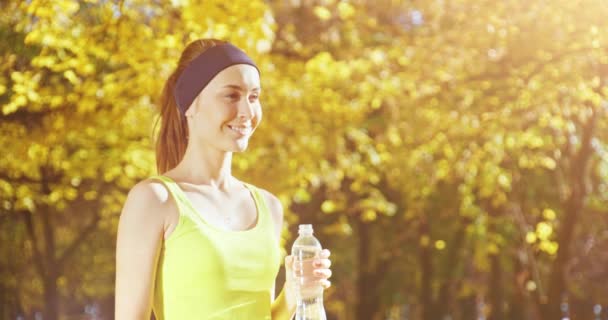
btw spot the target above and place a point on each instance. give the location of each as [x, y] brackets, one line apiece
[191, 111]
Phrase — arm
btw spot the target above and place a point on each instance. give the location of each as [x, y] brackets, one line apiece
[139, 238]
[282, 308]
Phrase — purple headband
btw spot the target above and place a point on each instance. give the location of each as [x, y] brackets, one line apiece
[203, 68]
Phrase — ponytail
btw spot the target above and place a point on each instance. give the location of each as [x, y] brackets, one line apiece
[173, 135]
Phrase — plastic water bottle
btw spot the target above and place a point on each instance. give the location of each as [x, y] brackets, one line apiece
[309, 294]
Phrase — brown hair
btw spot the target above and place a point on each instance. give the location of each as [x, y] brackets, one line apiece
[172, 138]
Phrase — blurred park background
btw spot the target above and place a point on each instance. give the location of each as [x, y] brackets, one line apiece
[451, 153]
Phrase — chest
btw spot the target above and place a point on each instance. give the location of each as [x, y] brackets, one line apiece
[234, 212]
[203, 256]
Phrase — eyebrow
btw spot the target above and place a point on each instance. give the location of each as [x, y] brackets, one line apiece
[234, 86]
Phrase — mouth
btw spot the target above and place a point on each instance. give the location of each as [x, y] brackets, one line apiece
[241, 130]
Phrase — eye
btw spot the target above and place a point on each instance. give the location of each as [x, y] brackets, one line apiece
[254, 97]
[233, 96]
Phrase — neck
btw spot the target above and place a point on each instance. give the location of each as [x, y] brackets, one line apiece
[205, 166]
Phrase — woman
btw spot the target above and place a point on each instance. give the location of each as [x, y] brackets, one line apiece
[195, 242]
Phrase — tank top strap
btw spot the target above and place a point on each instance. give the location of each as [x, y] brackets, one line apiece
[178, 195]
[260, 202]
[185, 207]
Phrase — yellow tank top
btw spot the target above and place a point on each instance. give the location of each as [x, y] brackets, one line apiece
[208, 273]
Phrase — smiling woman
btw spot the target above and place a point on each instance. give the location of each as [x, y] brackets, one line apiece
[195, 242]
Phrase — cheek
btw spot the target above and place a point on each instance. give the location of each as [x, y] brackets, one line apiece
[226, 112]
[258, 115]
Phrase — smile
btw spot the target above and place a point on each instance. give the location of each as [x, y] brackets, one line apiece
[241, 130]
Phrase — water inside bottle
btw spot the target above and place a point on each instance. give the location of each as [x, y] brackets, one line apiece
[309, 291]
[307, 282]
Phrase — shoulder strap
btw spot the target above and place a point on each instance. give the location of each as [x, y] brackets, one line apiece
[260, 202]
[178, 195]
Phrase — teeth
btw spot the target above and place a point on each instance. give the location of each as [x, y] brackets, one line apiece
[241, 129]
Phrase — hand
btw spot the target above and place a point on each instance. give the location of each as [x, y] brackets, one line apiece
[319, 267]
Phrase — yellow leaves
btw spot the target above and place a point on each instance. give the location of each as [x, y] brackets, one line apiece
[532, 140]
[263, 46]
[548, 163]
[90, 195]
[319, 63]
[37, 152]
[369, 215]
[504, 181]
[219, 31]
[112, 173]
[448, 151]
[328, 206]
[130, 171]
[42, 10]
[25, 85]
[25, 198]
[531, 237]
[346, 10]
[8, 190]
[443, 169]
[322, 13]
[75, 181]
[542, 234]
[37, 8]
[67, 7]
[439, 245]
[376, 103]
[44, 61]
[544, 230]
[378, 56]
[549, 247]
[180, 3]
[549, 214]
[393, 136]
[71, 77]
[594, 30]
[301, 196]
[531, 285]
[340, 227]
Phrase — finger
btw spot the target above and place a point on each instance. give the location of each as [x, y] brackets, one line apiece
[325, 283]
[325, 253]
[322, 263]
[323, 273]
[289, 262]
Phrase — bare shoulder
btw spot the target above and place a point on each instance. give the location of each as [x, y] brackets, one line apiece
[139, 239]
[275, 207]
[274, 204]
[147, 199]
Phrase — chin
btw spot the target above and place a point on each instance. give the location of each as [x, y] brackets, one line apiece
[240, 147]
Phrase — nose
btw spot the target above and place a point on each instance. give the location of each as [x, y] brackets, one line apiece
[245, 109]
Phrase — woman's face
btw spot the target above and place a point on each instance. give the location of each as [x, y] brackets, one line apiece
[227, 111]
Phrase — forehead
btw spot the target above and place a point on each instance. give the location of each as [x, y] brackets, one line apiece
[243, 75]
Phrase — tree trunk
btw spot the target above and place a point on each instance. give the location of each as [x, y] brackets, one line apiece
[426, 269]
[573, 207]
[517, 303]
[496, 289]
[446, 297]
[367, 281]
[51, 297]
